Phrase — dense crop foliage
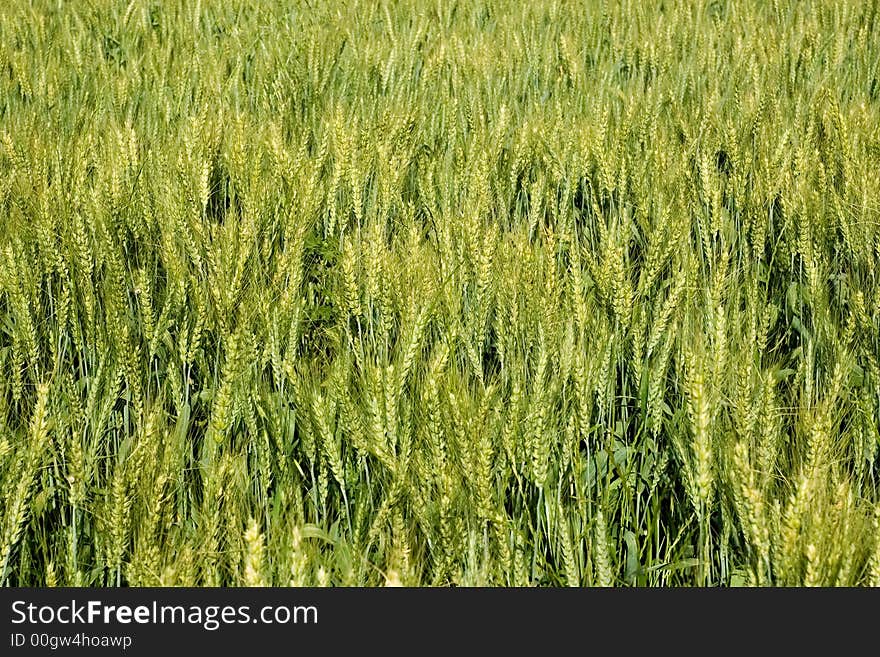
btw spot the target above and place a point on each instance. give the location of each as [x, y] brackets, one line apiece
[462, 292]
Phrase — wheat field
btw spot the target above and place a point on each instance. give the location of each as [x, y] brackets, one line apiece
[434, 293]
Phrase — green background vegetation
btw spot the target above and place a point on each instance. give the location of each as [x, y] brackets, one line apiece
[434, 293]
